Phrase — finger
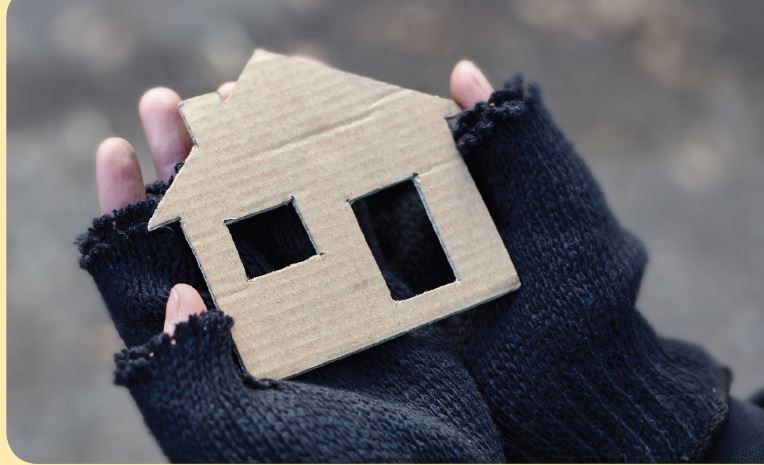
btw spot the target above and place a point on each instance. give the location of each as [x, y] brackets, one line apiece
[165, 132]
[225, 89]
[118, 175]
[469, 85]
[183, 302]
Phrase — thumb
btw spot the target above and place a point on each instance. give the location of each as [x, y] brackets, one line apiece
[183, 302]
[469, 85]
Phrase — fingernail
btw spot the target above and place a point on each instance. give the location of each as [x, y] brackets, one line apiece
[182, 302]
[173, 312]
[478, 77]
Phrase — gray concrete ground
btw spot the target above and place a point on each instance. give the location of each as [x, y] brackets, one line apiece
[664, 99]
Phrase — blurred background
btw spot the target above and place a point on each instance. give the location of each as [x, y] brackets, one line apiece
[665, 100]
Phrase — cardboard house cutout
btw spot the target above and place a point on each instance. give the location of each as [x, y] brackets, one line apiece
[298, 132]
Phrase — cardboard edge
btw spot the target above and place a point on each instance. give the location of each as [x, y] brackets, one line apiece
[188, 107]
[438, 234]
[513, 285]
[163, 214]
[157, 221]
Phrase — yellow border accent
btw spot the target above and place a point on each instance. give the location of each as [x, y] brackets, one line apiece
[7, 454]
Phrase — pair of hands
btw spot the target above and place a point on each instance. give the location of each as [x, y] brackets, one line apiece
[120, 179]
[564, 368]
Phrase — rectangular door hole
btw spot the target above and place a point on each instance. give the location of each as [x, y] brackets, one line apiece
[403, 240]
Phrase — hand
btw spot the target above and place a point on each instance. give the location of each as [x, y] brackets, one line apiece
[565, 367]
[409, 399]
[120, 181]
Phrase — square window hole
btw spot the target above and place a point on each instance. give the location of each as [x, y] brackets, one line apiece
[271, 240]
[403, 240]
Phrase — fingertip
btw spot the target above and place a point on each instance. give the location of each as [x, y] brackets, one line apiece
[469, 85]
[225, 89]
[165, 131]
[118, 175]
[158, 99]
[111, 147]
[182, 302]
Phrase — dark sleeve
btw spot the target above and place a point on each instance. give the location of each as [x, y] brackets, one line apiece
[741, 437]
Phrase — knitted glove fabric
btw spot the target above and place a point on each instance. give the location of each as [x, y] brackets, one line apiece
[135, 270]
[568, 367]
[408, 400]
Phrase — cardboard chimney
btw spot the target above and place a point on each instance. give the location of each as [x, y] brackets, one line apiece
[298, 132]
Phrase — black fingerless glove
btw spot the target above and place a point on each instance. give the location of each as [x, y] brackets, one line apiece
[408, 400]
[564, 367]
[135, 269]
[569, 368]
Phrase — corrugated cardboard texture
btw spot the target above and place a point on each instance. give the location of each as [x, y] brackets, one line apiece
[296, 129]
